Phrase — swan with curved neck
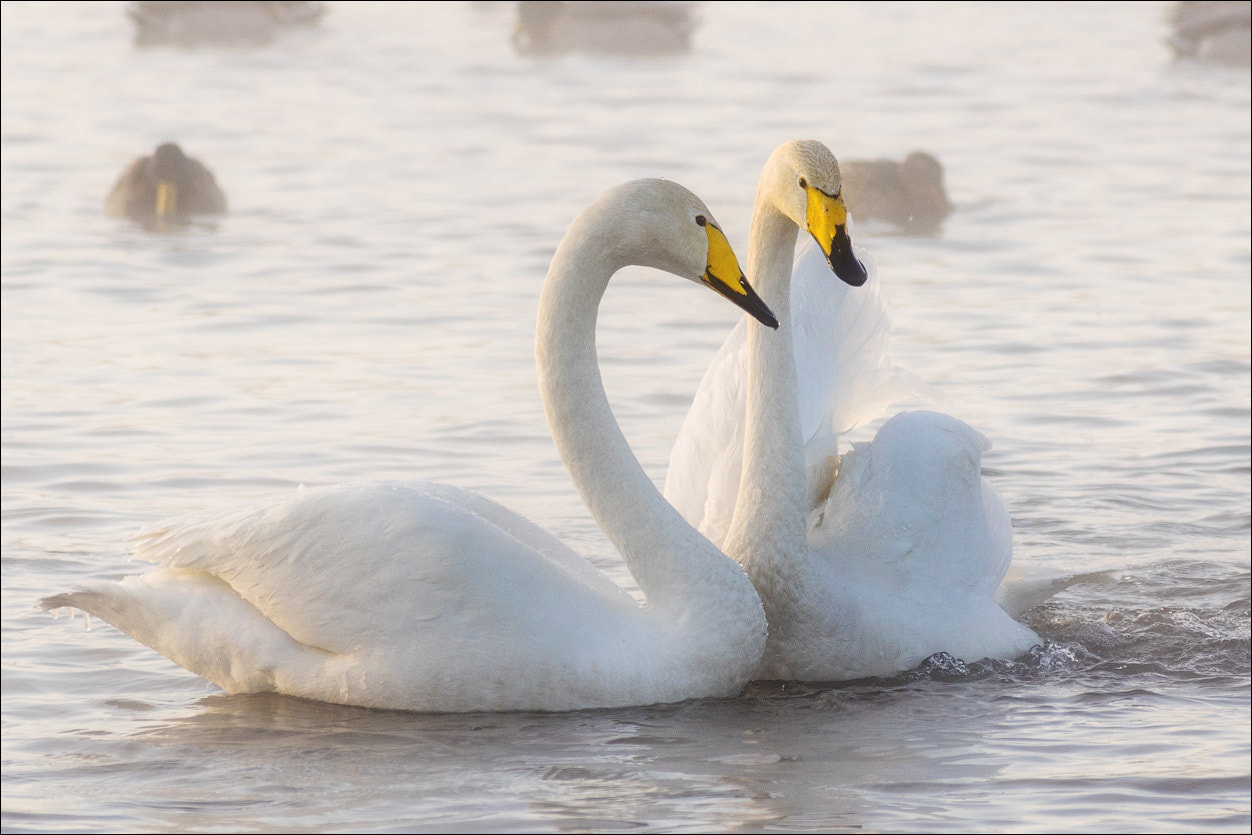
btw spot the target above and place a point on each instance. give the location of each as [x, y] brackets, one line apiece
[899, 556]
[425, 597]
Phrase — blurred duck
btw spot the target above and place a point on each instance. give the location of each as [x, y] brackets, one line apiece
[909, 194]
[169, 185]
[615, 28]
[193, 24]
[1218, 31]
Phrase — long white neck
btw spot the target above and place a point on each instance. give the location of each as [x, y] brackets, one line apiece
[767, 532]
[679, 571]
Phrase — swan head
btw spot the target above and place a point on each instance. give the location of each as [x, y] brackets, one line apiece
[671, 229]
[802, 180]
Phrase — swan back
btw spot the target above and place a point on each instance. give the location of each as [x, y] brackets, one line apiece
[911, 514]
[906, 554]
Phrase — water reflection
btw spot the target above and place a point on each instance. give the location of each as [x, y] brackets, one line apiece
[780, 755]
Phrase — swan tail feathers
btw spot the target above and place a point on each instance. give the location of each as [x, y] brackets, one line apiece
[199, 623]
[1024, 589]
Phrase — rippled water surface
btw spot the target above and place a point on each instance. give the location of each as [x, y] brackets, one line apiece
[398, 179]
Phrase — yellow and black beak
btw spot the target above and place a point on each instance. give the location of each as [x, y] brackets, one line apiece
[166, 199]
[725, 277]
[828, 224]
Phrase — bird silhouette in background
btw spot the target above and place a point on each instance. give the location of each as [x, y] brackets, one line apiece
[909, 194]
[239, 24]
[167, 186]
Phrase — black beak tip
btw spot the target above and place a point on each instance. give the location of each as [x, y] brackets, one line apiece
[843, 262]
[756, 306]
[760, 311]
[849, 268]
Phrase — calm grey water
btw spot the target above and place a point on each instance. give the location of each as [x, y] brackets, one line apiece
[399, 178]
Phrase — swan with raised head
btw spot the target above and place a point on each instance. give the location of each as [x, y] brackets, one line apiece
[426, 597]
[867, 564]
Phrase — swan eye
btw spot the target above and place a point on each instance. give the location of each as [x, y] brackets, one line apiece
[804, 183]
[701, 220]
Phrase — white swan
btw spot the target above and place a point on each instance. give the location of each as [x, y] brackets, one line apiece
[426, 597]
[901, 555]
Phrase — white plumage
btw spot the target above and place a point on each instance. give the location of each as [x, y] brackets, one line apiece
[427, 597]
[897, 558]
